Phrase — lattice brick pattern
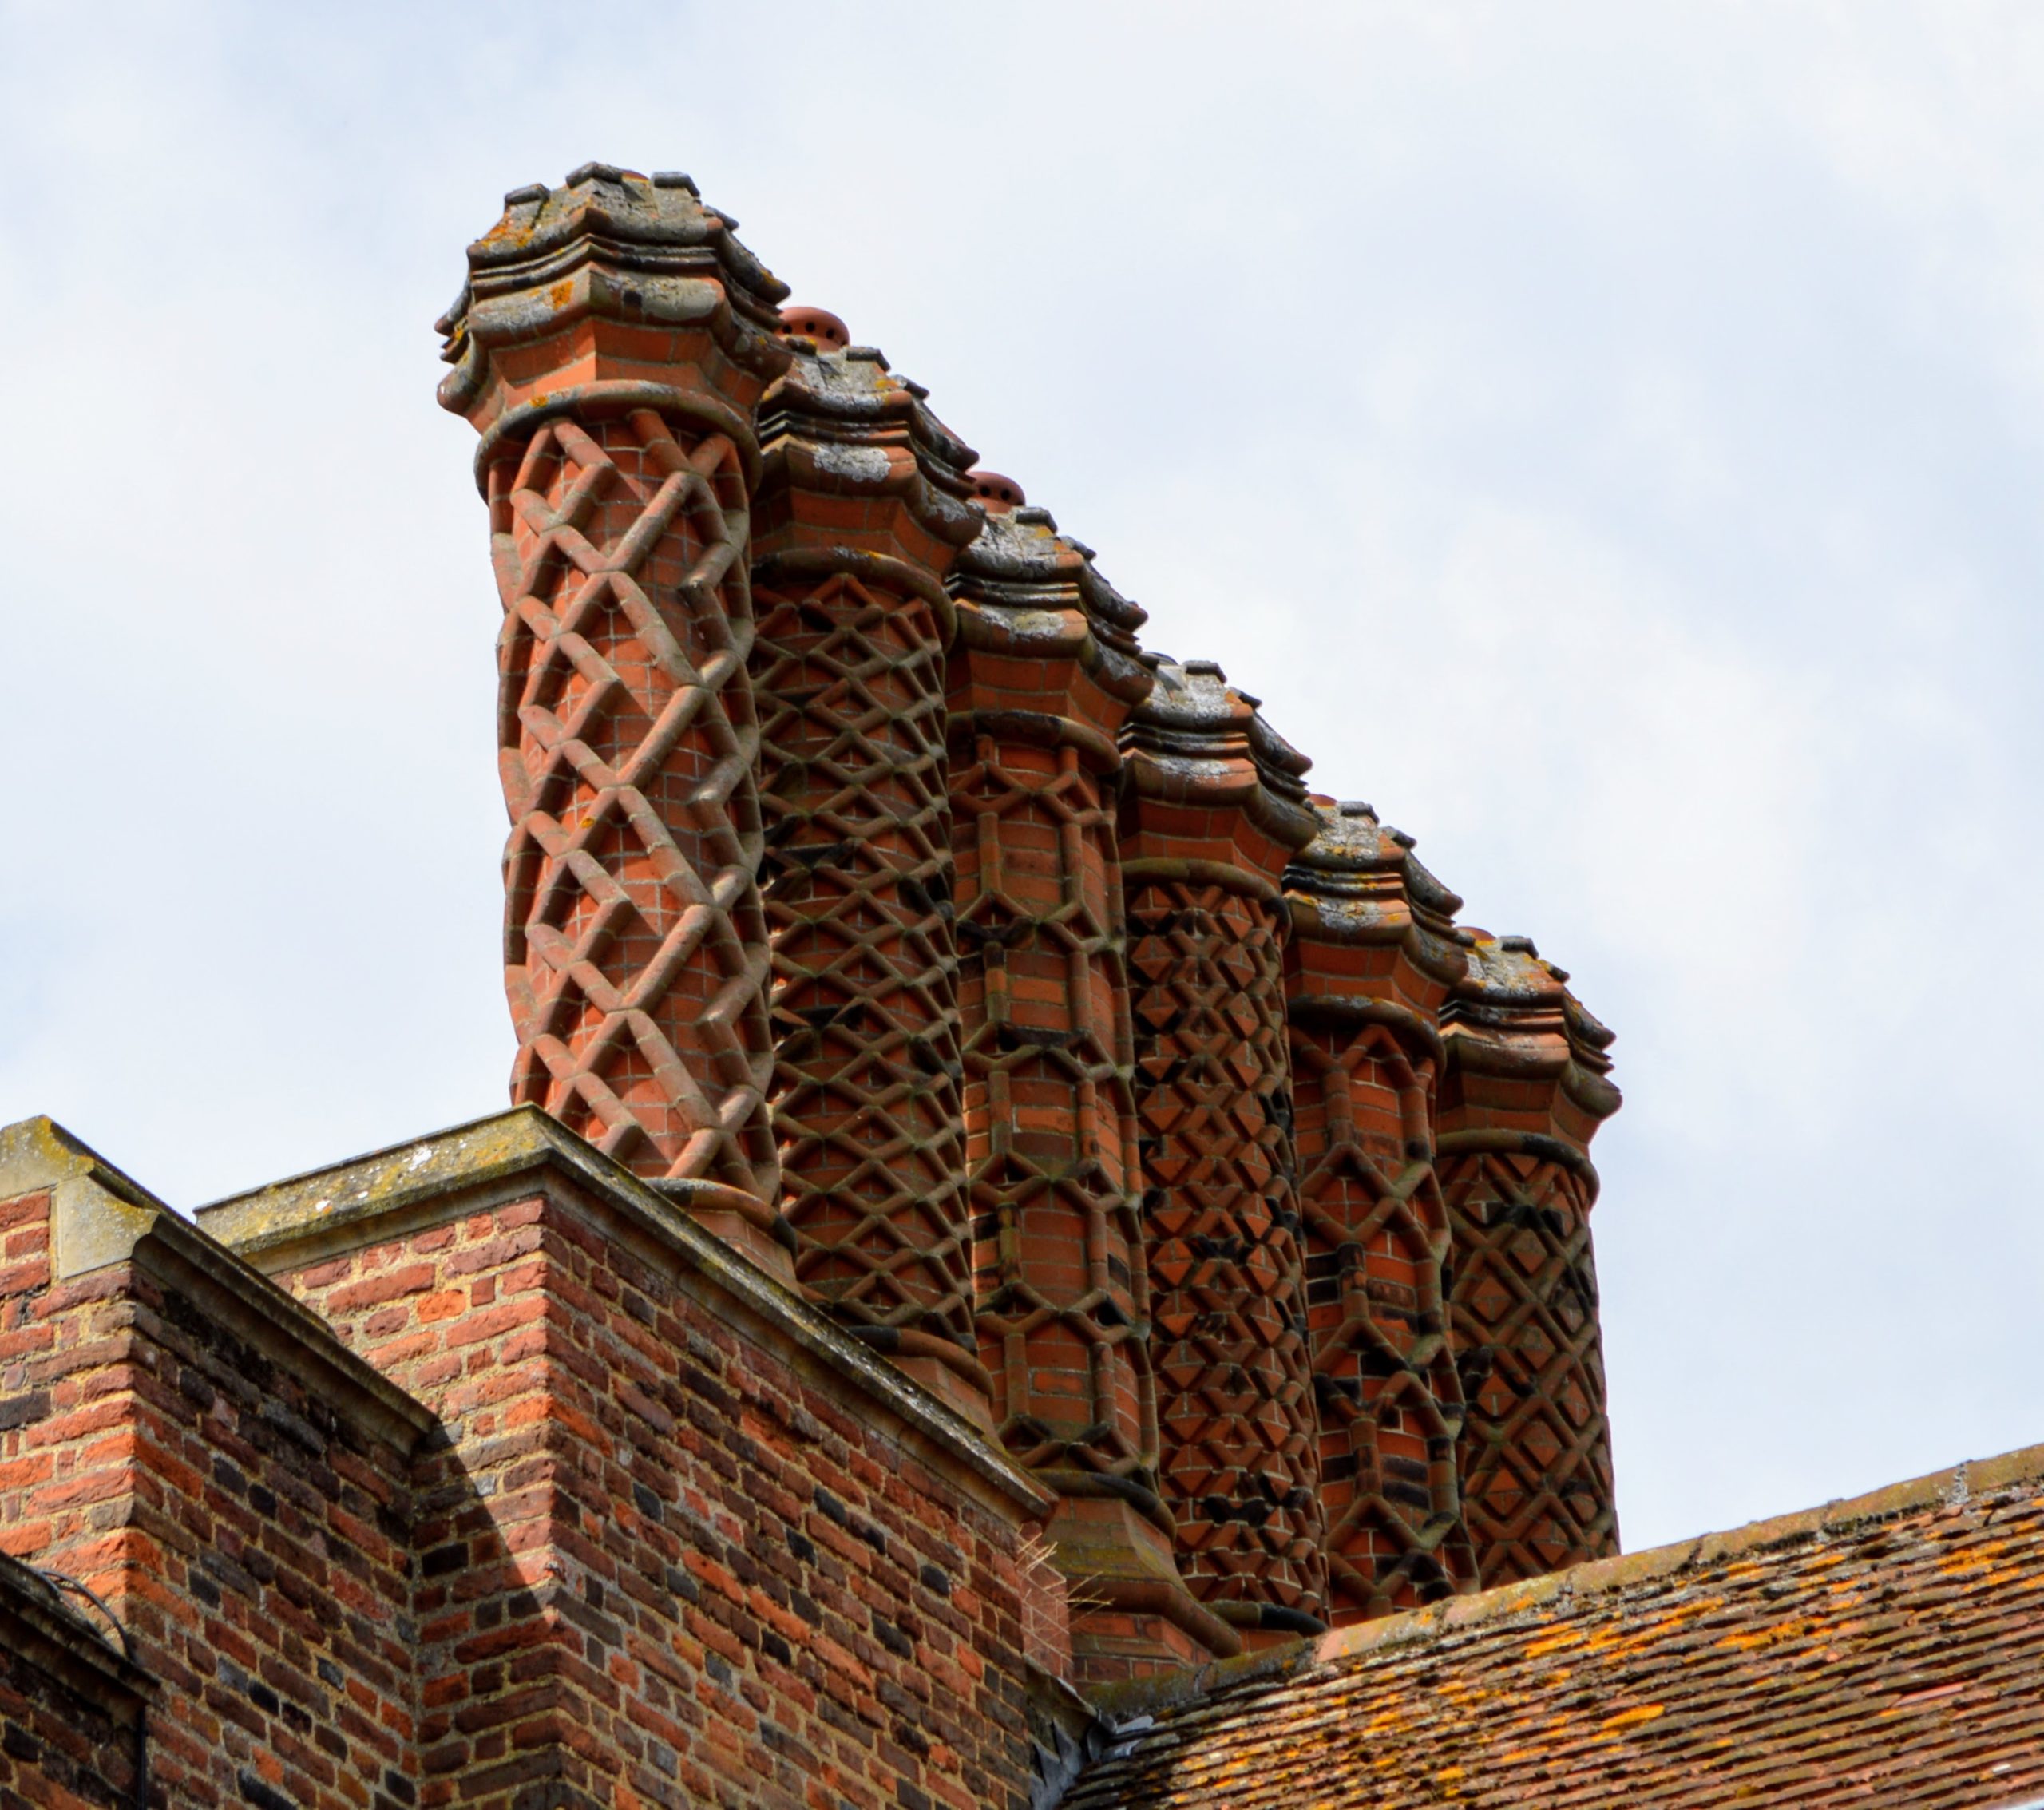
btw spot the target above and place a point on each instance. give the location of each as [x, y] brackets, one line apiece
[1235, 1409]
[1535, 1451]
[1376, 1235]
[635, 945]
[1049, 1115]
[858, 882]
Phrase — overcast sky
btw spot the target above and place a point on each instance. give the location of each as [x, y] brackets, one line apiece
[1608, 438]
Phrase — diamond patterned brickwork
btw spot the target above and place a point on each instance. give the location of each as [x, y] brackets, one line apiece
[1210, 814]
[1372, 957]
[823, 927]
[610, 345]
[857, 876]
[634, 927]
[1042, 675]
[1524, 1092]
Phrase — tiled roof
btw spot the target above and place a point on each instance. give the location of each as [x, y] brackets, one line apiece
[1886, 1651]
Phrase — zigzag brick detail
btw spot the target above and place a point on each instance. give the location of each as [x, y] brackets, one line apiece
[610, 345]
[1212, 809]
[1372, 957]
[1524, 1092]
[862, 509]
[1043, 674]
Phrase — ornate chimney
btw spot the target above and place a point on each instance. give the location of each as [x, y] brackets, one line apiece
[1212, 809]
[1042, 676]
[609, 346]
[1524, 1092]
[1373, 954]
[861, 510]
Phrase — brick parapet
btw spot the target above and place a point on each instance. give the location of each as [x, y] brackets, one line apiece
[610, 345]
[861, 510]
[687, 1539]
[1526, 1086]
[413, 1188]
[1212, 809]
[188, 1442]
[1373, 957]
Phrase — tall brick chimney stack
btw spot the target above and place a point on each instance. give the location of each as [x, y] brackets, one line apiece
[1373, 955]
[1213, 808]
[862, 508]
[1043, 674]
[1525, 1090]
[1261, 1238]
[610, 345]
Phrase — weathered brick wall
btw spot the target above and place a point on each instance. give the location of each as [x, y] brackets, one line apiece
[71, 1707]
[188, 1444]
[723, 1554]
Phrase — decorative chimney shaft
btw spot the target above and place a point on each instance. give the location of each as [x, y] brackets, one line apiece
[1043, 674]
[832, 920]
[1212, 810]
[609, 347]
[1373, 953]
[1524, 1093]
[860, 511]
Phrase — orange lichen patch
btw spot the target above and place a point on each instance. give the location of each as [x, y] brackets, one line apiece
[1881, 1651]
[1556, 1643]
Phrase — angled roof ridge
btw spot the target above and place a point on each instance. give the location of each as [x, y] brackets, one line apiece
[1955, 1484]
[1139, 1700]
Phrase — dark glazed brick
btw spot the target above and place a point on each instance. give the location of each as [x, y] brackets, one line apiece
[262, 1797]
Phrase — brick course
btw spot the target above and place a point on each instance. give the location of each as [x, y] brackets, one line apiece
[553, 1498]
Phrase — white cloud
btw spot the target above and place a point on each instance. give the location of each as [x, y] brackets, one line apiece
[1607, 436]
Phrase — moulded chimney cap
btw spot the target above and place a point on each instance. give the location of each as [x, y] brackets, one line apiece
[819, 324]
